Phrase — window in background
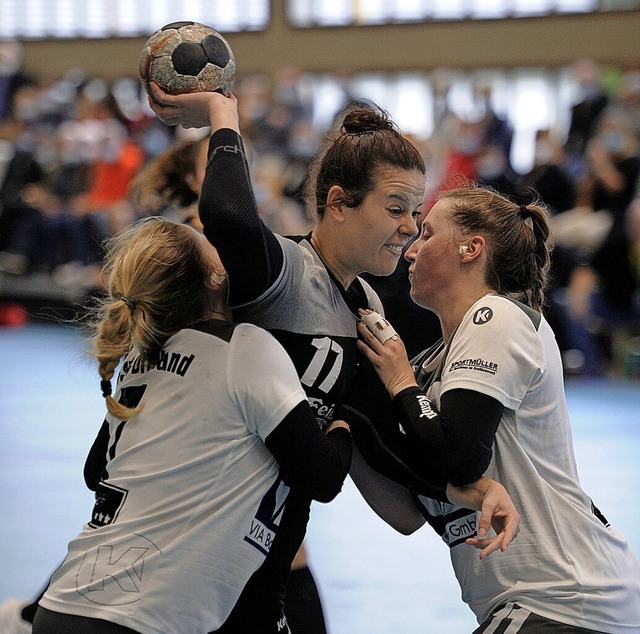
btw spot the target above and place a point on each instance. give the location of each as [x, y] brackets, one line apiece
[36, 19]
[529, 99]
[309, 13]
[490, 9]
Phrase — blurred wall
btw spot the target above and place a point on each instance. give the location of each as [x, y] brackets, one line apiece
[610, 38]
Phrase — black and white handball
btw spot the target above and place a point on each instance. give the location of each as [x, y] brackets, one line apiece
[184, 57]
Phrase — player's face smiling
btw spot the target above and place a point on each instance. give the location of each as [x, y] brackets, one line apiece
[381, 226]
[434, 257]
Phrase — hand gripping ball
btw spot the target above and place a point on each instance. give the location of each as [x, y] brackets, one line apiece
[184, 57]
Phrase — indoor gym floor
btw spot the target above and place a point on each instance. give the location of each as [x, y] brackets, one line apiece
[372, 580]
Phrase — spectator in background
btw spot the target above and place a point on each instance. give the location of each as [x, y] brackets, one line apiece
[273, 112]
[114, 158]
[169, 186]
[456, 153]
[628, 97]
[494, 170]
[603, 296]
[497, 131]
[549, 181]
[592, 100]
[305, 142]
[98, 159]
[465, 145]
[12, 77]
[282, 214]
[548, 177]
[602, 195]
[613, 159]
[20, 221]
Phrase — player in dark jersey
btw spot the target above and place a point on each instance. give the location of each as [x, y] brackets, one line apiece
[207, 430]
[366, 188]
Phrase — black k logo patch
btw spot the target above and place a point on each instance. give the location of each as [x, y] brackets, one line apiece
[482, 316]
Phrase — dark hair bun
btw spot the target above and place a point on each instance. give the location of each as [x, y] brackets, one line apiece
[364, 118]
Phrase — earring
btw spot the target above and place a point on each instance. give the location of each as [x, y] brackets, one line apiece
[217, 278]
[462, 249]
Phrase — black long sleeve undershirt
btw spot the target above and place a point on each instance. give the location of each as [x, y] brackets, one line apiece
[451, 445]
[230, 219]
[96, 461]
[314, 463]
[458, 439]
[368, 410]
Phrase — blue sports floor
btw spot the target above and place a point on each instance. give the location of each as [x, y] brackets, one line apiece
[372, 580]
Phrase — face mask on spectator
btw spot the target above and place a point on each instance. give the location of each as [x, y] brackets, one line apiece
[467, 143]
[490, 166]
[613, 141]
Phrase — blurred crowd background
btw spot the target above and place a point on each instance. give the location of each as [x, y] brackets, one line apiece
[71, 146]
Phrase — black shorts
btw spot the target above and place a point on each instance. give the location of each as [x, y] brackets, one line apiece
[250, 620]
[48, 622]
[513, 619]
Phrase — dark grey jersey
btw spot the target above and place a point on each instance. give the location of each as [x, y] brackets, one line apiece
[282, 285]
[315, 321]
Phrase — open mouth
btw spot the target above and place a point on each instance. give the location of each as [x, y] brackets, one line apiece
[395, 248]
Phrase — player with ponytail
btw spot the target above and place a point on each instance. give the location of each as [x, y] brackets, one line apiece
[203, 417]
[488, 399]
[366, 189]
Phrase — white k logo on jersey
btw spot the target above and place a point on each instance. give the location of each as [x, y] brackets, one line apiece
[482, 316]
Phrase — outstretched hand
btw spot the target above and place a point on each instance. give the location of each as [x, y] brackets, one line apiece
[389, 359]
[497, 512]
[195, 109]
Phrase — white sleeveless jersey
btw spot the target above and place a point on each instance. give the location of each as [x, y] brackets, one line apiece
[192, 500]
[566, 564]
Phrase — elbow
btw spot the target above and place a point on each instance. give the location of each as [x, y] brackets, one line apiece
[329, 481]
[466, 471]
[327, 491]
[461, 475]
[405, 522]
[408, 528]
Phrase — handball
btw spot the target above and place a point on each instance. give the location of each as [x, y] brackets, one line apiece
[184, 57]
